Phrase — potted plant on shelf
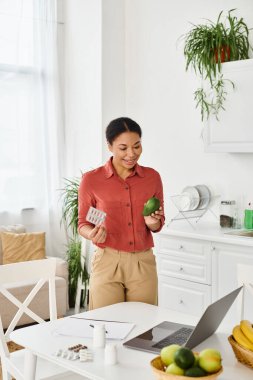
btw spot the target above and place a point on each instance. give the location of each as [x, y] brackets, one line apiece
[69, 196]
[206, 47]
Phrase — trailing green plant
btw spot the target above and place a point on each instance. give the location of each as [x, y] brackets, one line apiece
[206, 47]
[69, 195]
[213, 101]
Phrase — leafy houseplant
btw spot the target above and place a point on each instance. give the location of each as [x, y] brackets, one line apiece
[206, 47]
[70, 205]
[76, 270]
[73, 255]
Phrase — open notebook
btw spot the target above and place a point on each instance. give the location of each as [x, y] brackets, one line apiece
[83, 328]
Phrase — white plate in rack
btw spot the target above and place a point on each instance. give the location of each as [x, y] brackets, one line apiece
[205, 196]
[194, 197]
[184, 202]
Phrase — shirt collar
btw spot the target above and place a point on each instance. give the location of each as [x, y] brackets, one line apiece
[109, 169]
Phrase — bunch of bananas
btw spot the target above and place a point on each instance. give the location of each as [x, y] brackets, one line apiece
[243, 334]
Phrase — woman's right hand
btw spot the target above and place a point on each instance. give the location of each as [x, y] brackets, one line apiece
[97, 234]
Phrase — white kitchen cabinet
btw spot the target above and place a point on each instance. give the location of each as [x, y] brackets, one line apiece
[196, 268]
[185, 296]
[184, 268]
[226, 257]
[233, 131]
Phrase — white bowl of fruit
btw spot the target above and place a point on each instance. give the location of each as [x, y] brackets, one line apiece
[177, 363]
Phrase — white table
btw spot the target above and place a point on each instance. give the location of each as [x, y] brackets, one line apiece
[42, 341]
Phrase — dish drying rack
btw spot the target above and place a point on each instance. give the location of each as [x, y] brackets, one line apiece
[204, 206]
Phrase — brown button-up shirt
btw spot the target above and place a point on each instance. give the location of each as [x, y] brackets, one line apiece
[123, 202]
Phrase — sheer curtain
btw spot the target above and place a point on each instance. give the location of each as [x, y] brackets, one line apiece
[31, 123]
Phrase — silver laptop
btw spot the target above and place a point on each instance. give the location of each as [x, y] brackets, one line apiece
[167, 333]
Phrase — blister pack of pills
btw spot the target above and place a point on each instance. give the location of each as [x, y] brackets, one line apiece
[85, 355]
[78, 351]
[95, 216]
[66, 354]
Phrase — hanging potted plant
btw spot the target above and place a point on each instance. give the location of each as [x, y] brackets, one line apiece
[69, 196]
[206, 47]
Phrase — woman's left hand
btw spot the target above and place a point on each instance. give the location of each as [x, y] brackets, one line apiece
[153, 220]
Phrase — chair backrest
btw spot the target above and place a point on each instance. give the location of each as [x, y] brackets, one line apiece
[37, 271]
[86, 253]
[245, 278]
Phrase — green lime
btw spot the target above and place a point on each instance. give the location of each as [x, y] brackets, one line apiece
[195, 372]
[184, 358]
[151, 206]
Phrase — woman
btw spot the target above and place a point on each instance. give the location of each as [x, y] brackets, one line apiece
[123, 267]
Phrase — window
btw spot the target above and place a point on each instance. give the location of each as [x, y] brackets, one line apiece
[21, 142]
[31, 121]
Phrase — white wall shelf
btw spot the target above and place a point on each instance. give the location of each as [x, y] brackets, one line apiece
[233, 133]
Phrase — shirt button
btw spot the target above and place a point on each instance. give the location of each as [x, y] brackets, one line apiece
[126, 187]
[131, 243]
[129, 223]
[128, 204]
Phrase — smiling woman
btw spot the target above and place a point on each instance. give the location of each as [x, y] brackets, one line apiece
[123, 267]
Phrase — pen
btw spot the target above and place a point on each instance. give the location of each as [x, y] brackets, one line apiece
[100, 320]
[94, 326]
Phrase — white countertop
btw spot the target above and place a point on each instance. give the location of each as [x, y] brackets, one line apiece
[205, 231]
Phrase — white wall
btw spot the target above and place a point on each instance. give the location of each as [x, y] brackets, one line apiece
[83, 85]
[159, 95]
[94, 78]
[123, 57]
[113, 64]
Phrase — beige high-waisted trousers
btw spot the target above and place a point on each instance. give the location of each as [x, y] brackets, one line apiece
[118, 276]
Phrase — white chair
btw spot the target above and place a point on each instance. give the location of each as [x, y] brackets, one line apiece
[245, 278]
[39, 272]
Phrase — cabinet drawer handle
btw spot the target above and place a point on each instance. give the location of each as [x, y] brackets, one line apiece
[181, 268]
[181, 247]
[181, 302]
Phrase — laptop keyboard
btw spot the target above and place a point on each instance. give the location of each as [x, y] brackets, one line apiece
[178, 337]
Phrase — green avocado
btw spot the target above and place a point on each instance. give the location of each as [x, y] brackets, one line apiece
[195, 372]
[151, 206]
